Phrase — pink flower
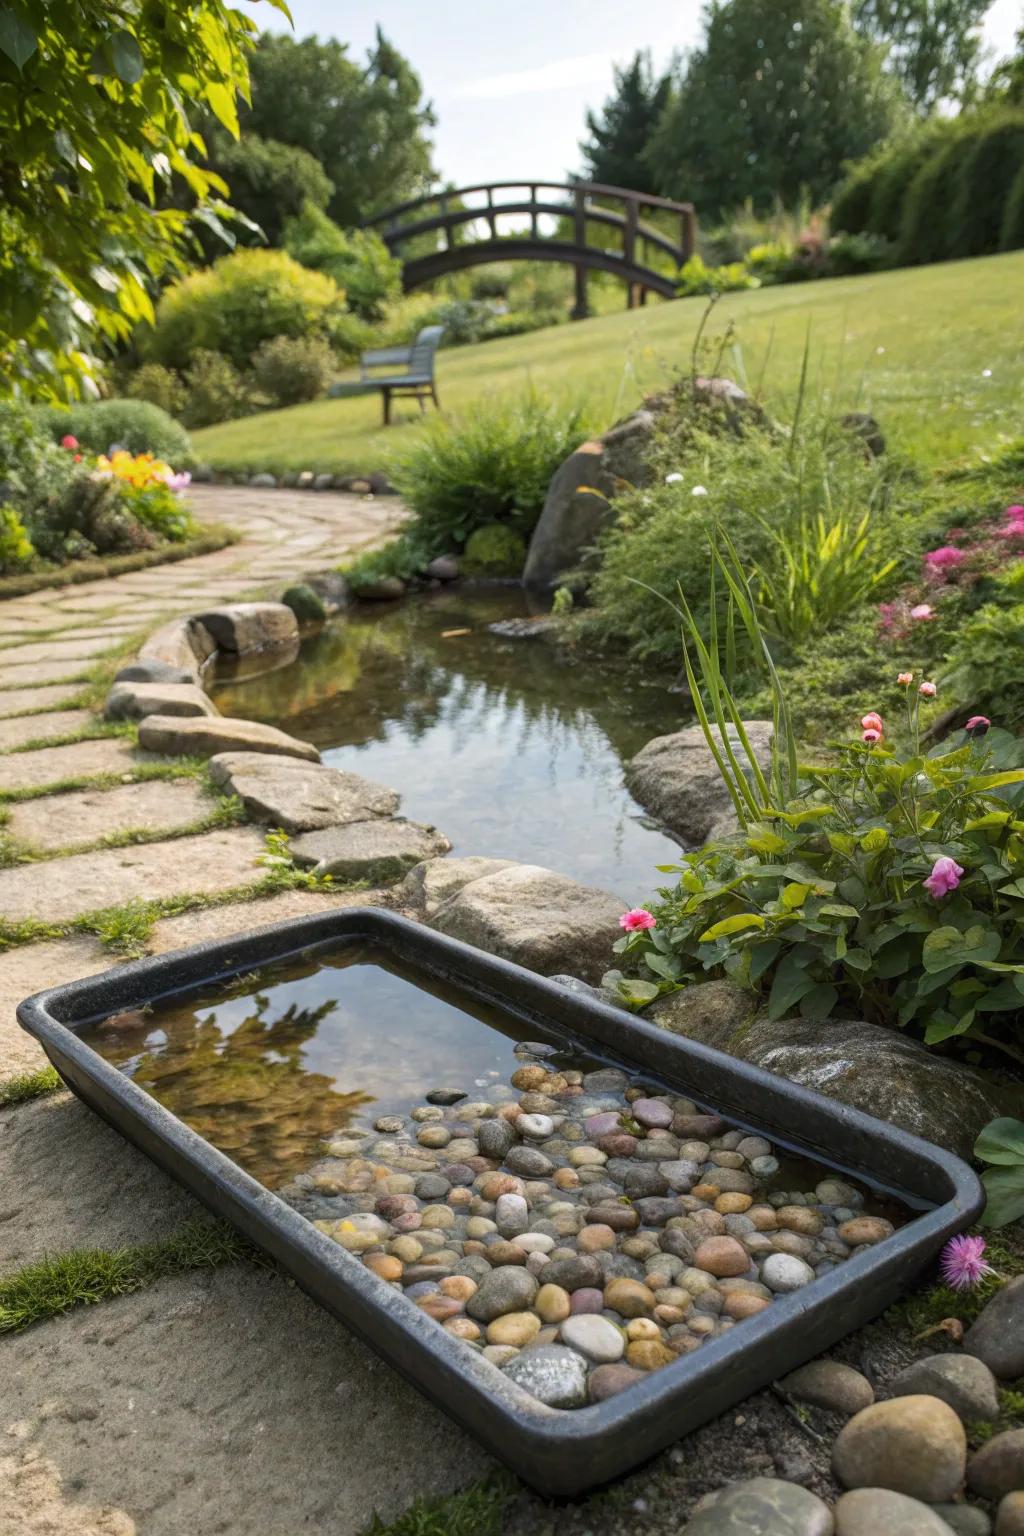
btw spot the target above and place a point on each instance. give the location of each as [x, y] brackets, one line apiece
[870, 736]
[180, 481]
[945, 877]
[637, 919]
[977, 725]
[928, 690]
[872, 722]
[922, 611]
[945, 558]
[67, 441]
[1015, 513]
[962, 1262]
[905, 679]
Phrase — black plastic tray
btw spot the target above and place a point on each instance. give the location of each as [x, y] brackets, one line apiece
[559, 1452]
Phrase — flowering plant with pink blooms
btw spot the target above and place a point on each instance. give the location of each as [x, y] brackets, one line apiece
[889, 887]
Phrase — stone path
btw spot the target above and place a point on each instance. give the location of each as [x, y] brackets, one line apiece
[217, 1401]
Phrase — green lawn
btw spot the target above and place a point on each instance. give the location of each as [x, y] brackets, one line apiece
[937, 353]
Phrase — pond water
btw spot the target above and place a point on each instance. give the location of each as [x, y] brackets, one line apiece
[510, 749]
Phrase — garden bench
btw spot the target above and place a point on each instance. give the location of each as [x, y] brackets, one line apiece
[416, 381]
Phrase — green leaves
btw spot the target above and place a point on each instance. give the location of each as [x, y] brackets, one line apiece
[126, 58]
[947, 947]
[17, 38]
[739, 923]
[1002, 1143]
[792, 982]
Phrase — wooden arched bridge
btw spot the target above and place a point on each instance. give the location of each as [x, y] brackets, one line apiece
[458, 228]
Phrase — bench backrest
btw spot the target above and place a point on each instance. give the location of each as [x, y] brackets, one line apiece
[423, 350]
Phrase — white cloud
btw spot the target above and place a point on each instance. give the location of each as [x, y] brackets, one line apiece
[583, 69]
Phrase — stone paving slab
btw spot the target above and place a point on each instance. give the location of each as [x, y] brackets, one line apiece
[68, 1180]
[24, 675]
[243, 917]
[29, 968]
[85, 816]
[83, 759]
[24, 728]
[76, 649]
[16, 701]
[225, 1402]
[61, 889]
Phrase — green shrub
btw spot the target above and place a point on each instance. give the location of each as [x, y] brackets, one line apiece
[988, 172]
[851, 205]
[984, 667]
[270, 182]
[32, 466]
[696, 278]
[357, 260]
[492, 282]
[494, 550]
[215, 391]
[307, 605]
[491, 467]
[520, 322]
[290, 370]
[91, 516]
[242, 300]
[16, 551]
[137, 425]
[1011, 236]
[928, 230]
[159, 386]
[762, 487]
[349, 336]
[894, 174]
[848, 255]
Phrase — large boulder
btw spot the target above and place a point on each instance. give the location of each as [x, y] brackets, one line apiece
[676, 779]
[243, 627]
[134, 701]
[176, 737]
[426, 888]
[537, 918]
[880, 1071]
[298, 796]
[368, 850]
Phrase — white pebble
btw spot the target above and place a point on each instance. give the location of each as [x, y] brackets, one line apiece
[538, 1127]
[534, 1242]
[784, 1272]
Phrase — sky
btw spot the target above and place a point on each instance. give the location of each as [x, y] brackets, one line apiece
[510, 80]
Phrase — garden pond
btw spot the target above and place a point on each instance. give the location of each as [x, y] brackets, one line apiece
[559, 1214]
[510, 747]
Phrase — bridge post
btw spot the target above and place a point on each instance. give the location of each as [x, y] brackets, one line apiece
[629, 247]
[687, 234]
[581, 308]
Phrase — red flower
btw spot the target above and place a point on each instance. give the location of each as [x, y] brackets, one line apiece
[67, 441]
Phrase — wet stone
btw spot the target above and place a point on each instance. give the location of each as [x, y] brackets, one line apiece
[555, 1375]
[761, 1504]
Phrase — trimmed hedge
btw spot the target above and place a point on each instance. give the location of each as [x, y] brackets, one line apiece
[929, 228]
[988, 173]
[1012, 234]
[137, 425]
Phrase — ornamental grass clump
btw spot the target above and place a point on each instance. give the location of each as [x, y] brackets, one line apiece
[886, 884]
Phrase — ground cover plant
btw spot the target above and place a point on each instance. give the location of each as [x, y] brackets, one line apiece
[875, 344]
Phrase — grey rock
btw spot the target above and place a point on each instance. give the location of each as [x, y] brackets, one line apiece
[444, 568]
[331, 588]
[997, 1335]
[528, 1162]
[321, 482]
[299, 796]
[426, 888]
[784, 1272]
[582, 1272]
[966, 1519]
[245, 627]
[675, 779]
[880, 1071]
[510, 1288]
[368, 850]
[998, 1467]
[134, 701]
[495, 1138]
[537, 918]
[154, 672]
[881, 1512]
[831, 1385]
[263, 481]
[182, 644]
[555, 1375]
[962, 1381]
[761, 1506]
[387, 589]
[177, 737]
[446, 1097]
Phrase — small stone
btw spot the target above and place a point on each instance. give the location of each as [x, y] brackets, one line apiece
[594, 1337]
[761, 1506]
[500, 1354]
[997, 1334]
[1010, 1515]
[783, 1272]
[629, 1298]
[511, 1215]
[445, 1096]
[881, 1512]
[604, 1080]
[913, 1445]
[529, 1162]
[722, 1256]
[596, 1238]
[386, 1265]
[517, 1328]
[533, 1242]
[865, 1229]
[587, 1299]
[508, 1289]
[998, 1467]
[608, 1380]
[431, 1186]
[831, 1385]
[552, 1373]
[651, 1113]
[968, 1520]
[621, 1218]
[648, 1354]
[580, 1272]
[741, 1304]
[962, 1381]
[434, 1136]
[538, 1127]
[553, 1304]
[495, 1138]
[389, 1124]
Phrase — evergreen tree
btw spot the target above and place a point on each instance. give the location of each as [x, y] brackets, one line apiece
[779, 96]
[616, 152]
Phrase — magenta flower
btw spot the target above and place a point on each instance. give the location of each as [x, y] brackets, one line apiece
[637, 919]
[1015, 513]
[963, 1264]
[977, 725]
[945, 877]
[945, 558]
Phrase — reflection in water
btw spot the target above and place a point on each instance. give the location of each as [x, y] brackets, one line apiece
[510, 748]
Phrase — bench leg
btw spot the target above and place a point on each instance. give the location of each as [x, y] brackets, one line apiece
[386, 395]
[433, 396]
[421, 401]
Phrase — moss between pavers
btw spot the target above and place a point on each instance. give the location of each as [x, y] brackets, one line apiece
[83, 1278]
[30, 1085]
